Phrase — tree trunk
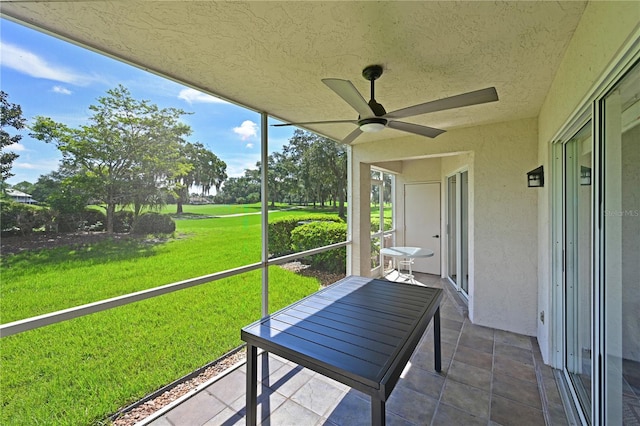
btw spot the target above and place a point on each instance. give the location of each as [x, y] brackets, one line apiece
[341, 197]
[111, 210]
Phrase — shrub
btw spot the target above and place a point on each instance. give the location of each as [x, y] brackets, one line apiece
[85, 220]
[22, 218]
[122, 221]
[94, 220]
[153, 223]
[280, 231]
[318, 234]
[388, 223]
[67, 222]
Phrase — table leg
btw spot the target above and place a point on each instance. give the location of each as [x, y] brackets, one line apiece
[252, 385]
[411, 269]
[377, 412]
[437, 351]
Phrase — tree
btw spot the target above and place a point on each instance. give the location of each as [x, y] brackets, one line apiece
[310, 169]
[24, 186]
[127, 155]
[327, 161]
[65, 197]
[241, 190]
[206, 170]
[10, 115]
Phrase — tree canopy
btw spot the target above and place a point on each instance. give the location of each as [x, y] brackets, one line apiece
[310, 169]
[131, 153]
[10, 115]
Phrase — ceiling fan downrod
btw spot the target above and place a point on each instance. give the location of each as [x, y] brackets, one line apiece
[372, 73]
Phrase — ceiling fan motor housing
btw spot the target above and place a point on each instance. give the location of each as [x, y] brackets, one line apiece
[377, 108]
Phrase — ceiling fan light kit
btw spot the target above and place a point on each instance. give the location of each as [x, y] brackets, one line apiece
[374, 118]
[372, 125]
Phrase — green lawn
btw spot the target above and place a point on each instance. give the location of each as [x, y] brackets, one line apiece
[79, 371]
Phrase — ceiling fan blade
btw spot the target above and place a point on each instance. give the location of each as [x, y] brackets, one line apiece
[417, 129]
[316, 122]
[352, 136]
[347, 91]
[466, 99]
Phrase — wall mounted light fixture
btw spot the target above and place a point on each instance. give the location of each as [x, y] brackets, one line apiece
[535, 178]
[585, 175]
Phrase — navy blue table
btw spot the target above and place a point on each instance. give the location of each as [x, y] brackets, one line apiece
[358, 331]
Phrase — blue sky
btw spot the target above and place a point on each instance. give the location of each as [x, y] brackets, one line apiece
[50, 77]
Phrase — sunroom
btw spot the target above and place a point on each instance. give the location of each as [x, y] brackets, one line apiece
[556, 263]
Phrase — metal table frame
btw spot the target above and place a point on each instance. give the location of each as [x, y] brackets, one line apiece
[358, 331]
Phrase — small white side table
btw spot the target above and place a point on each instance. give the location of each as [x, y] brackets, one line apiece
[407, 254]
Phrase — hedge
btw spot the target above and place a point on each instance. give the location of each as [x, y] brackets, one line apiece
[19, 218]
[375, 224]
[317, 234]
[281, 228]
[153, 223]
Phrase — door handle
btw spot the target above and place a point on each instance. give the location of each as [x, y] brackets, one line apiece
[436, 236]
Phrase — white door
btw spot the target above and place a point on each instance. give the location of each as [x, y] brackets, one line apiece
[422, 223]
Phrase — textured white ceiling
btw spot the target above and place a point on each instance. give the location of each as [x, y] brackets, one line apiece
[271, 56]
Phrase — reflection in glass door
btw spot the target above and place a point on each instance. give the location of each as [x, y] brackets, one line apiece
[577, 271]
[620, 262]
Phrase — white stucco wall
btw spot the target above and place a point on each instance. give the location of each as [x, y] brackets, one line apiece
[504, 216]
[603, 31]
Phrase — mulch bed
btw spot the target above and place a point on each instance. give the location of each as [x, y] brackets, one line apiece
[42, 240]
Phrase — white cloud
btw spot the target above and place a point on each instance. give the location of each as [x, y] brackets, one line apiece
[248, 129]
[45, 165]
[29, 63]
[15, 147]
[61, 90]
[28, 166]
[249, 145]
[237, 164]
[193, 96]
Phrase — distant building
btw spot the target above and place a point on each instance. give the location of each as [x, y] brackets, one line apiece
[20, 197]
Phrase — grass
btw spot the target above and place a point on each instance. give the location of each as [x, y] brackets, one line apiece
[78, 372]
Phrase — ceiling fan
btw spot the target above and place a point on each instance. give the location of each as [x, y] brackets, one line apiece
[373, 117]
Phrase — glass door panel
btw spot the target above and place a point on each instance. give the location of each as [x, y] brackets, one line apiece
[452, 229]
[578, 282]
[621, 246]
[377, 220]
[464, 232]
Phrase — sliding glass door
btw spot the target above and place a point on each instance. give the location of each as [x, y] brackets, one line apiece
[452, 229]
[578, 284]
[464, 232]
[458, 230]
[620, 260]
[600, 297]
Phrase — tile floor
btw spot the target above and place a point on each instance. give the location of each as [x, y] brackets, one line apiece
[489, 377]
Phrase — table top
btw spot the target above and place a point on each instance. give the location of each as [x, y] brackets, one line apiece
[406, 252]
[359, 331]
